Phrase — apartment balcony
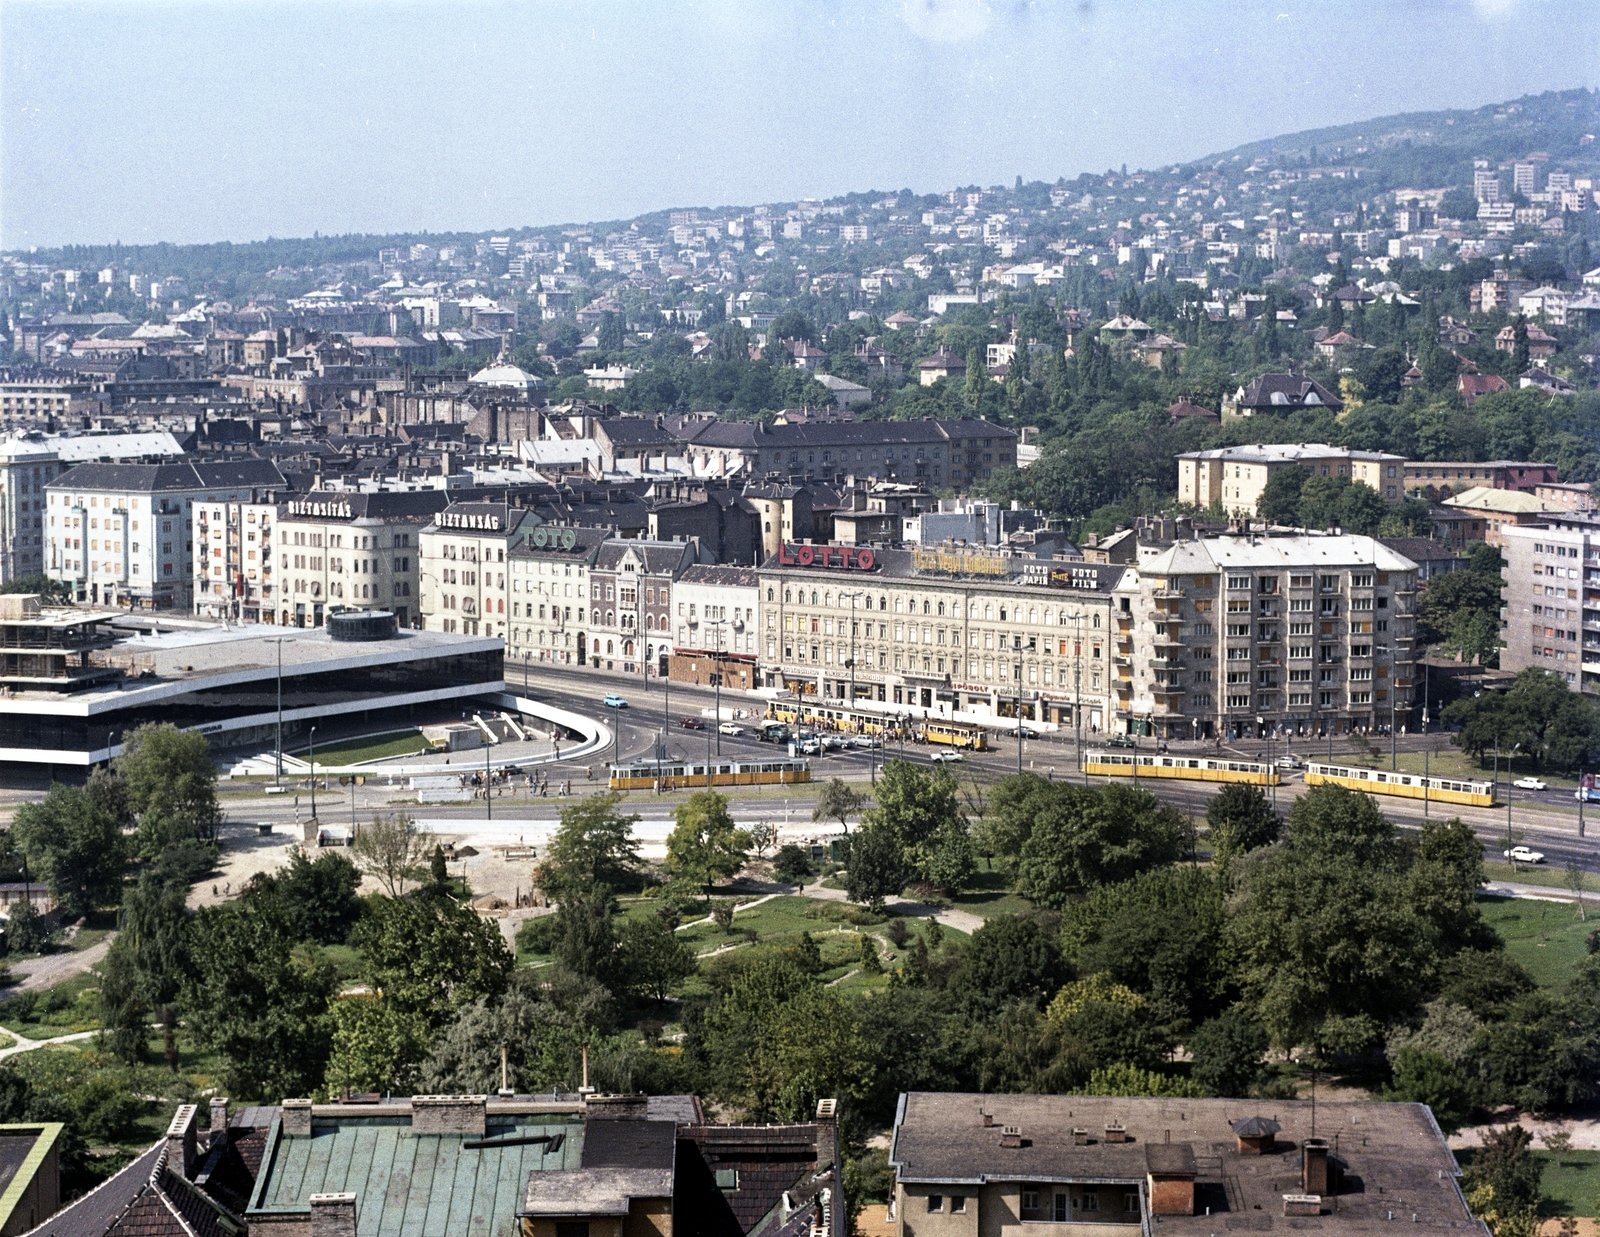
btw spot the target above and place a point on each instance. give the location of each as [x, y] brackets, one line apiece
[1164, 662]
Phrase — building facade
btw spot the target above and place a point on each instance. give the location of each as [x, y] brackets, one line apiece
[713, 625]
[347, 550]
[1234, 477]
[548, 567]
[1436, 480]
[1550, 600]
[122, 534]
[462, 567]
[630, 603]
[941, 632]
[1302, 634]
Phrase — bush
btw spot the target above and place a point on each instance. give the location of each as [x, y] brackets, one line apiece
[107, 1112]
[537, 935]
[898, 932]
[790, 864]
[1427, 1078]
[722, 915]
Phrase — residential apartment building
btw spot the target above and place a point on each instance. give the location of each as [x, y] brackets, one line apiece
[1304, 634]
[340, 549]
[233, 561]
[630, 603]
[1234, 477]
[1440, 479]
[939, 453]
[714, 629]
[462, 567]
[945, 631]
[548, 567]
[1550, 600]
[1483, 513]
[29, 462]
[122, 534]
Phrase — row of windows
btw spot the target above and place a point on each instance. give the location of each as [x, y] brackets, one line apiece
[1011, 613]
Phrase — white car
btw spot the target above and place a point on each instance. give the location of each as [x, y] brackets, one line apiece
[1524, 854]
[947, 758]
[1289, 762]
[867, 740]
[730, 728]
[1529, 783]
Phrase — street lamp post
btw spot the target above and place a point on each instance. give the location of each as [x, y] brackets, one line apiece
[1394, 756]
[853, 598]
[311, 740]
[1019, 716]
[488, 785]
[277, 762]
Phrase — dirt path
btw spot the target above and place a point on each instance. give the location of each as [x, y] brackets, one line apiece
[24, 1044]
[45, 972]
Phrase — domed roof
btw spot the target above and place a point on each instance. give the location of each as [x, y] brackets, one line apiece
[506, 376]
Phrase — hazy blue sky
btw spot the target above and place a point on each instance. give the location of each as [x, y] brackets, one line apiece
[209, 120]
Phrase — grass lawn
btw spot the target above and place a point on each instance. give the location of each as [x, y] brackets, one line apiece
[1545, 937]
[989, 896]
[1571, 1183]
[1445, 761]
[372, 747]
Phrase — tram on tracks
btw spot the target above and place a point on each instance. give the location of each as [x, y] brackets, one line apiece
[1188, 768]
[692, 775]
[1405, 785]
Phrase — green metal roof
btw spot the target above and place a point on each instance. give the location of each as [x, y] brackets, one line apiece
[406, 1184]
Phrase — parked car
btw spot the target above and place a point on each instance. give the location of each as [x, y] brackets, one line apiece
[1026, 733]
[730, 728]
[834, 742]
[867, 740]
[1120, 740]
[614, 701]
[1524, 854]
[947, 758]
[1529, 783]
[1289, 762]
[808, 747]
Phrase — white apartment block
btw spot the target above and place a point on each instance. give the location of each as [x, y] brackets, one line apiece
[462, 567]
[1302, 634]
[121, 534]
[1550, 600]
[30, 462]
[548, 570]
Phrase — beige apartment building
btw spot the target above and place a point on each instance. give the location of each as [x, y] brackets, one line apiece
[1301, 634]
[941, 631]
[1233, 477]
[548, 569]
[346, 550]
[462, 568]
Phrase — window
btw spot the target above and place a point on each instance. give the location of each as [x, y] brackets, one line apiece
[1130, 1202]
[958, 1204]
[1030, 1199]
[1238, 581]
[936, 1202]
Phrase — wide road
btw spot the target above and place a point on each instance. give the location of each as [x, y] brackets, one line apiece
[1547, 821]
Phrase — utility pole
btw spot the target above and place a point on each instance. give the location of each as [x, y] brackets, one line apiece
[1077, 697]
[311, 740]
[277, 762]
[488, 785]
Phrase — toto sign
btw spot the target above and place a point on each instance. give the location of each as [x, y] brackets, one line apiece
[827, 556]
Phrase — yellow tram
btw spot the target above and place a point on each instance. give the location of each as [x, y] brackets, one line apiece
[1190, 768]
[689, 775]
[828, 717]
[957, 734]
[1406, 785]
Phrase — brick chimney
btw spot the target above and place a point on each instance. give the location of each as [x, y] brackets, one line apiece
[333, 1215]
[1314, 1166]
[449, 1114]
[296, 1118]
[616, 1107]
[219, 1119]
[181, 1136]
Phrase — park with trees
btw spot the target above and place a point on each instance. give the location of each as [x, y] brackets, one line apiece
[1030, 935]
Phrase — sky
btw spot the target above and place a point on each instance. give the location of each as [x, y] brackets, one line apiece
[206, 120]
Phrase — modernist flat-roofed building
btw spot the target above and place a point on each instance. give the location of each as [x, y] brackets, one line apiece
[1301, 634]
[940, 453]
[966, 1165]
[30, 462]
[121, 534]
[941, 630]
[1233, 477]
[547, 567]
[224, 682]
[337, 548]
[1550, 600]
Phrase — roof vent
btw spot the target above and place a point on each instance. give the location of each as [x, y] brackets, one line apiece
[1080, 1136]
[1011, 1136]
[362, 626]
[1116, 1133]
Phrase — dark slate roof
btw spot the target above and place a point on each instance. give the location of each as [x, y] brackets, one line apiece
[149, 478]
[628, 1144]
[771, 1160]
[659, 557]
[93, 1214]
[1292, 391]
[636, 432]
[1256, 1127]
[726, 577]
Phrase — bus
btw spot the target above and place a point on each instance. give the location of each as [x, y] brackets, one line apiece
[1189, 768]
[957, 734]
[1406, 785]
[690, 775]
